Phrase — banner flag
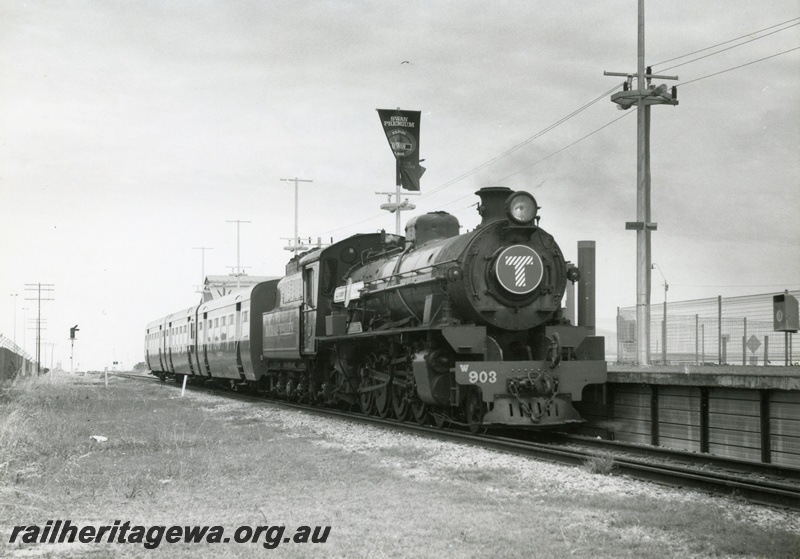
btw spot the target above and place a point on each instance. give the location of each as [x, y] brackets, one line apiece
[402, 132]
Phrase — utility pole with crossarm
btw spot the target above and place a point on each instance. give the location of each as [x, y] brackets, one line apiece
[643, 97]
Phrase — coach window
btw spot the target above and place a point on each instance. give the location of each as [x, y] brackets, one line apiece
[245, 326]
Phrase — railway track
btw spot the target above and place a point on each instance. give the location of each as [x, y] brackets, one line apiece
[753, 482]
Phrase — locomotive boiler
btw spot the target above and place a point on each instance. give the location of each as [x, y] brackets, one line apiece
[435, 326]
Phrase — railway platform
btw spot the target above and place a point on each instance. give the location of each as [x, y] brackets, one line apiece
[730, 376]
[745, 412]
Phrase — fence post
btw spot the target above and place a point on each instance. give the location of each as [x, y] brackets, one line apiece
[744, 343]
[719, 327]
[619, 352]
[703, 337]
[766, 350]
[723, 354]
[696, 338]
[664, 333]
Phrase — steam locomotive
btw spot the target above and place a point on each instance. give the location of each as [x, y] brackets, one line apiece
[435, 326]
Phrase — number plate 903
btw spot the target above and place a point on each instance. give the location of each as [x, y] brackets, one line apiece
[482, 377]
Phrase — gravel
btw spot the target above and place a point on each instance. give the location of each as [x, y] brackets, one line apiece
[421, 458]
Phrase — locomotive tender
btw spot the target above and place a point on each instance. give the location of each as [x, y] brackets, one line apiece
[464, 329]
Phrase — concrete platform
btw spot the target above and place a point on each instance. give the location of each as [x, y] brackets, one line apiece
[728, 376]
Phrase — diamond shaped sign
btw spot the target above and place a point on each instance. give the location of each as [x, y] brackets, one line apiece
[753, 344]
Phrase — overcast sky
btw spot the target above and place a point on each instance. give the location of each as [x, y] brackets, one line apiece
[133, 131]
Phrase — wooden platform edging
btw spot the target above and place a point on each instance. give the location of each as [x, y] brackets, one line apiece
[758, 425]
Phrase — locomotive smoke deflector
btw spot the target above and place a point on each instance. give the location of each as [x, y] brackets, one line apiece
[499, 203]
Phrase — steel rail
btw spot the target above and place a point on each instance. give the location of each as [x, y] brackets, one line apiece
[684, 456]
[765, 492]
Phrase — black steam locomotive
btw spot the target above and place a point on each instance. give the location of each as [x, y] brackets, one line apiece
[434, 326]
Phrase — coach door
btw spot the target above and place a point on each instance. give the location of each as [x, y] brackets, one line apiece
[190, 344]
[206, 341]
[162, 347]
[310, 279]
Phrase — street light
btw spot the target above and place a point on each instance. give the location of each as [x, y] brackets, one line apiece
[664, 322]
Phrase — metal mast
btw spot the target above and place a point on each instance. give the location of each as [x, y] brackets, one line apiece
[296, 242]
[48, 288]
[238, 272]
[203, 266]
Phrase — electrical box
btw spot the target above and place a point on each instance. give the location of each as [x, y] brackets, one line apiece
[784, 313]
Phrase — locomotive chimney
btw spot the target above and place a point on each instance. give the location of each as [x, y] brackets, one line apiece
[493, 200]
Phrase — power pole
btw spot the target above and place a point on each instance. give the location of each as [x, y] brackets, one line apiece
[203, 266]
[48, 288]
[642, 97]
[397, 206]
[295, 246]
[238, 273]
[664, 318]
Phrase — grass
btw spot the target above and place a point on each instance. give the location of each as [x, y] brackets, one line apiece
[600, 463]
[195, 460]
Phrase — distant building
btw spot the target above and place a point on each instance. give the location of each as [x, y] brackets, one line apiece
[217, 286]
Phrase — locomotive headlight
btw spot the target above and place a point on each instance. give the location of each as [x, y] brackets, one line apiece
[521, 208]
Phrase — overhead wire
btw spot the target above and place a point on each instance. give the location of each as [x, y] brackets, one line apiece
[592, 133]
[739, 66]
[725, 49]
[522, 143]
[506, 153]
[577, 111]
[729, 41]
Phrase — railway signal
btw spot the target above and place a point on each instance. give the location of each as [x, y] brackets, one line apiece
[72, 346]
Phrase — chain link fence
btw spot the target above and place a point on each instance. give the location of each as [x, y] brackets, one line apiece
[715, 331]
[13, 360]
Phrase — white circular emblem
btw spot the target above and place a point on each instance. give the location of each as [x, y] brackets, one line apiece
[779, 315]
[519, 269]
[402, 143]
